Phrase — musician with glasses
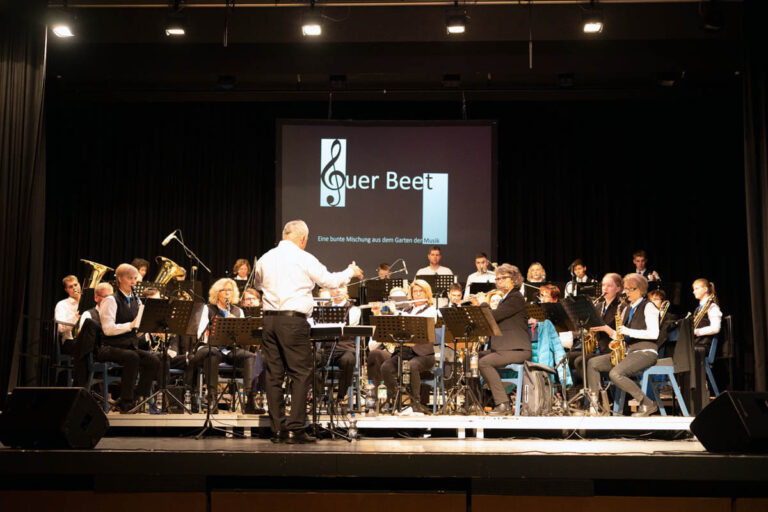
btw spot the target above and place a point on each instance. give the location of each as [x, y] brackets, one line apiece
[514, 344]
[640, 327]
[377, 352]
[118, 314]
[222, 297]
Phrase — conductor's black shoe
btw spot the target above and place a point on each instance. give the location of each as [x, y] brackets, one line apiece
[646, 409]
[299, 437]
[279, 437]
[418, 407]
[503, 409]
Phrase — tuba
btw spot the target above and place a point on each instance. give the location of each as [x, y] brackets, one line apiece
[169, 270]
[97, 273]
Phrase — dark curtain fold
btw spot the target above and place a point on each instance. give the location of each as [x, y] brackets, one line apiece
[22, 171]
[756, 179]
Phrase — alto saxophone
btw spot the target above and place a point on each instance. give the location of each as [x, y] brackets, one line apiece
[618, 346]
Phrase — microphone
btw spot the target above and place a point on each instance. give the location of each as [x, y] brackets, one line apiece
[169, 238]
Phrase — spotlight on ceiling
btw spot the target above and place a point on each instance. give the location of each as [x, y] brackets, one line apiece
[62, 30]
[176, 25]
[62, 23]
[592, 19]
[456, 23]
[311, 24]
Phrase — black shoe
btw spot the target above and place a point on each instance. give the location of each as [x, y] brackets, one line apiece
[251, 407]
[299, 437]
[646, 409]
[418, 407]
[279, 437]
[503, 409]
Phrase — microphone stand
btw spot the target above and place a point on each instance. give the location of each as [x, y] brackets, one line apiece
[191, 255]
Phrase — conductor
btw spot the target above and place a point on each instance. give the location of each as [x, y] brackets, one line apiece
[286, 275]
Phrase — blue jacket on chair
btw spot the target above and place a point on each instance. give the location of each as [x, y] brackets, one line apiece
[550, 350]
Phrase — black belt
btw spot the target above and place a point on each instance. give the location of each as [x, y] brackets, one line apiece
[285, 313]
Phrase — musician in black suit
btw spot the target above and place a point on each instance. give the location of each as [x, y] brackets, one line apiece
[640, 259]
[514, 344]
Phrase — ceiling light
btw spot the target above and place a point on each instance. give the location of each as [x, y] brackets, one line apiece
[456, 23]
[175, 26]
[311, 24]
[592, 19]
[61, 22]
[62, 30]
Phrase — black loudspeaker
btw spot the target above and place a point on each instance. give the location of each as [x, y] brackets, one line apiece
[52, 418]
[734, 422]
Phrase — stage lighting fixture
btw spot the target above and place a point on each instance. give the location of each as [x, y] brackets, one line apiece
[175, 26]
[62, 30]
[456, 23]
[62, 23]
[592, 19]
[311, 25]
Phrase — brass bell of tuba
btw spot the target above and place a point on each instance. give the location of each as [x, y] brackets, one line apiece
[169, 269]
[97, 273]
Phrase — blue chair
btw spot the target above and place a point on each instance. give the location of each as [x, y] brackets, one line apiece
[708, 366]
[663, 367]
[96, 367]
[437, 382]
[513, 374]
[333, 371]
[61, 362]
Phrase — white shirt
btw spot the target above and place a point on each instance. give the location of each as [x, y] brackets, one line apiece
[287, 275]
[715, 317]
[441, 271]
[570, 289]
[477, 277]
[107, 314]
[651, 331]
[66, 311]
[86, 316]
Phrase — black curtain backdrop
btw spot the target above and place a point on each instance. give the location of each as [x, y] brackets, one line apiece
[595, 180]
[22, 181]
[756, 180]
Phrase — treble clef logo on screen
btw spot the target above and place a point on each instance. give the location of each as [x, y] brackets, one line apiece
[333, 159]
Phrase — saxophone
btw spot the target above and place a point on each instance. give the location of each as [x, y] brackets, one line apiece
[590, 337]
[618, 346]
[702, 313]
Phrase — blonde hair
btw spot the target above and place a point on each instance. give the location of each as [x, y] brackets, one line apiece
[213, 293]
[706, 282]
[616, 279]
[492, 294]
[125, 269]
[239, 263]
[530, 270]
[424, 286]
[640, 282]
[103, 286]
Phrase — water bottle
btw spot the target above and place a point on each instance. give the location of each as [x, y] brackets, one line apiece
[352, 433]
[159, 401]
[370, 398]
[188, 400]
[381, 397]
[406, 373]
[474, 361]
[241, 403]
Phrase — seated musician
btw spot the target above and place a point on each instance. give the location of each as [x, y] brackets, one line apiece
[342, 352]
[640, 328]
[550, 294]
[494, 298]
[483, 275]
[434, 268]
[175, 349]
[241, 269]
[667, 320]
[455, 295]
[606, 308]
[251, 298]
[383, 271]
[222, 297]
[514, 344]
[120, 343]
[378, 354]
[420, 357]
[640, 260]
[580, 275]
[142, 266]
[89, 336]
[66, 316]
[536, 273]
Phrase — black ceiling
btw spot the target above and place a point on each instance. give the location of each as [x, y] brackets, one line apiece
[401, 50]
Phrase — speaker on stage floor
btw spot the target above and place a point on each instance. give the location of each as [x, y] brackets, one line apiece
[52, 418]
[734, 422]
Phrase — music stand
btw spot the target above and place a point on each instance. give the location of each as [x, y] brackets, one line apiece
[240, 283]
[225, 332]
[476, 288]
[403, 330]
[536, 311]
[581, 313]
[471, 321]
[141, 287]
[438, 282]
[86, 301]
[193, 288]
[169, 317]
[591, 289]
[377, 290]
[252, 311]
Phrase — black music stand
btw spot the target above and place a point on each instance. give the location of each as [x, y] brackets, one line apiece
[592, 289]
[471, 321]
[252, 311]
[583, 315]
[326, 315]
[377, 290]
[476, 288]
[240, 283]
[531, 291]
[168, 316]
[86, 301]
[403, 330]
[141, 287]
[224, 332]
[536, 311]
[193, 288]
[438, 282]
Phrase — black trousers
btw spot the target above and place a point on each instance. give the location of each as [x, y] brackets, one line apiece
[241, 359]
[79, 364]
[376, 358]
[344, 359]
[286, 351]
[132, 360]
[489, 365]
[417, 364]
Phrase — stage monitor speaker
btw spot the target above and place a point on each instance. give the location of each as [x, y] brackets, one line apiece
[734, 422]
[52, 418]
